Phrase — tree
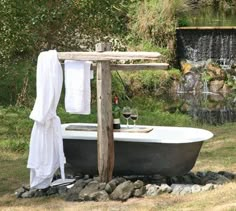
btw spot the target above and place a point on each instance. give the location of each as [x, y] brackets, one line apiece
[27, 27]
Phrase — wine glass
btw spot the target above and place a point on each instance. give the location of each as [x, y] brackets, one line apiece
[134, 115]
[126, 113]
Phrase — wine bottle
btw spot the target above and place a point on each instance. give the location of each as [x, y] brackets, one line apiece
[116, 113]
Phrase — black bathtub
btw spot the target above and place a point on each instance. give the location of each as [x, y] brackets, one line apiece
[169, 151]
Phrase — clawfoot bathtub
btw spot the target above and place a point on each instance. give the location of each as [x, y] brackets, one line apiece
[168, 151]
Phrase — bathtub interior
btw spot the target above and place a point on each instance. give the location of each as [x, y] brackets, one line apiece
[159, 134]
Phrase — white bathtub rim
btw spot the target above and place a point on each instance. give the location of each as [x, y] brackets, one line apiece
[153, 136]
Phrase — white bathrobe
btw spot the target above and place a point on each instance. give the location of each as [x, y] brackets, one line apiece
[46, 153]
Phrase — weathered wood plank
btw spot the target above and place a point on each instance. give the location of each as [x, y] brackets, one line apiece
[105, 144]
[143, 66]
[107, 55]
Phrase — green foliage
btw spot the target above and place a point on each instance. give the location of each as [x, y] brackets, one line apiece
[213, 13]
[28, 28]
[155, 20]
[150, 82]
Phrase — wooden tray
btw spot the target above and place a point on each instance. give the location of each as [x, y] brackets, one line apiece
[137, 129]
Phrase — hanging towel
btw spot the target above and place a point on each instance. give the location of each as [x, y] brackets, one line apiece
[77, 87]
[46, 153]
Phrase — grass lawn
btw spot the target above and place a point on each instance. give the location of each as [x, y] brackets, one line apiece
[218, 154]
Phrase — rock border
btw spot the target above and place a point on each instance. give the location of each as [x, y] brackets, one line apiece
[86, 188]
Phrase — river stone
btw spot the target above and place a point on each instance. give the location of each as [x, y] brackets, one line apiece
[40, 193]
[112, 184]
[176, 188]
[52, 190]
[62, 190]
[216, 85]
[186, 190]
[73, 193]
[123, 191]
[196, 188]
[229, 175]
[99, 196]
[187, 179]
[108, 188]
[208, 187]
[152, 190]
[29, 194]
[164, 188]
[89, 188]
[139, 192]
[196, 179]
[214, 178]
[138, 184]
[19, 192]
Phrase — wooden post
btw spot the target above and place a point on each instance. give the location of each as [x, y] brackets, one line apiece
[105, 143]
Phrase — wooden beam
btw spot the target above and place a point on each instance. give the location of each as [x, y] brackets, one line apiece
[105, 143]
[143, 66]
[107, 55]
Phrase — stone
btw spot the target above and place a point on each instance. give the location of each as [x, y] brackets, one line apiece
[138, 184]
[216, 85]
[185, 67]
[177, 188]
[112, 184]
[164, 188]
[123, 191]
[208, 187]
[215, 72]
[88, 189]
[19, 192]
[186, 189]
[152, 190]
[40, 193]
[102, 185]
[174, 179]
[196, 179]
[97, 178]
[196, 188]
[99, 196]
[86, 176]
[187, 179]
[29, 194]
[72, 196]
[80, 183]
[52, 190]
[62, 190]
[228, 175]
[139, 192]
[73, 193]
[108, 188]
[215, 178]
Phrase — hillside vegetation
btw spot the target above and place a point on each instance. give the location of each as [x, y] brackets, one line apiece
[28, 28]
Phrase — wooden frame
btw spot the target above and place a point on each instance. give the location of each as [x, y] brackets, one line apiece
[102, 57]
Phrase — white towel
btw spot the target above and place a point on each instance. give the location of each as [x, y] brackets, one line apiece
[77, 87]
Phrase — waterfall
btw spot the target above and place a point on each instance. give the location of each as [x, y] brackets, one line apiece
[201, 44]
[205, 87]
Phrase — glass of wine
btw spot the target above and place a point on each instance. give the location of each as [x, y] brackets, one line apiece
[126, 113]
[134, 115]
